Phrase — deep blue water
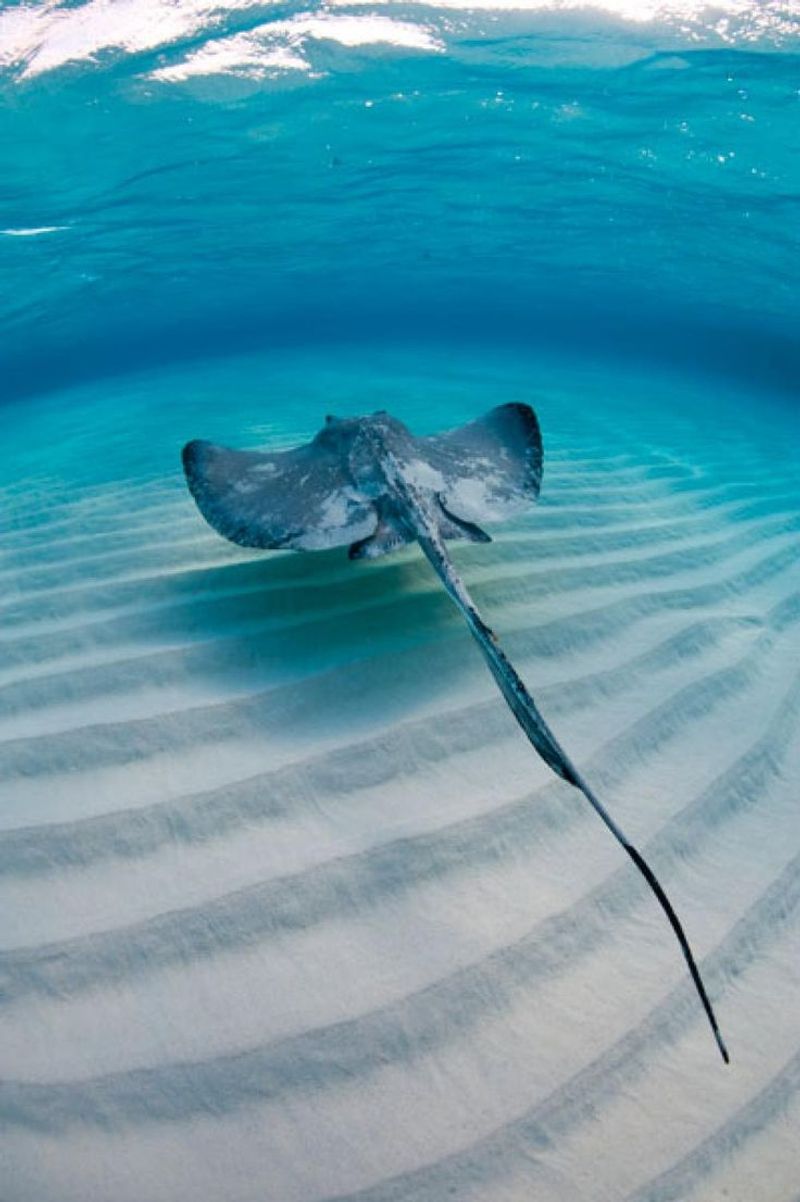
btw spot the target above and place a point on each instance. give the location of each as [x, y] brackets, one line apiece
[577, 181]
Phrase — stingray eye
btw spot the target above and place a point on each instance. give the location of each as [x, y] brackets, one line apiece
[330, 420]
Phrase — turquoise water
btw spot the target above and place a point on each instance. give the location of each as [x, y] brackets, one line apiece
[623, 188]
[291, 913]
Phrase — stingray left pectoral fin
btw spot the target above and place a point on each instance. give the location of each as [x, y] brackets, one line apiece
[301, 499]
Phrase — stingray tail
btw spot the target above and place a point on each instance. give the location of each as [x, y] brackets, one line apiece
[527, 714]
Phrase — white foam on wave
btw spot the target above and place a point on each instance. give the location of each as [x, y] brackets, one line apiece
[280, 45]
[762, 17]
[33, 231]
[246, 55]
[37, 38]
[41, 37]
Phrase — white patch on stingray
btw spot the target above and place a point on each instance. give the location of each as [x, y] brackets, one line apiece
[422, 475]
[340, 508]
[489, 499]
[319, 540]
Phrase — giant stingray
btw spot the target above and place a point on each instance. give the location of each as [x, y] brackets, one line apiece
[368, 482]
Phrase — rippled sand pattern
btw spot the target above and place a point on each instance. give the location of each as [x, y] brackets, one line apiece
[292, 913]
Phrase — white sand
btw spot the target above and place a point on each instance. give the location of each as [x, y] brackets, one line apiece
[292, 912]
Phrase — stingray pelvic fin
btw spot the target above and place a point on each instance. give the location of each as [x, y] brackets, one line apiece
[452, 527]
[388, 537]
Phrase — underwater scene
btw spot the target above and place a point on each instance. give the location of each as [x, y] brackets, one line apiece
[291, 910]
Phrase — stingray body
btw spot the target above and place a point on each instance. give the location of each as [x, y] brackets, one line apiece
[368, 483]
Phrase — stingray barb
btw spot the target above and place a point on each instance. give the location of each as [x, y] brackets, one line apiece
[368, 483]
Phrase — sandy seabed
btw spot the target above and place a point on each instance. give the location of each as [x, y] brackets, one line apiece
[291, 911]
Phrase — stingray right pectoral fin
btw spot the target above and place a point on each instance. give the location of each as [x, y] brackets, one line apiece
[491, 468]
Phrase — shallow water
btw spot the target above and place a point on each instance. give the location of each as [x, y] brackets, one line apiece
[291, 911]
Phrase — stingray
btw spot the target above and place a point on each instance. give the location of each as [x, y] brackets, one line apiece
[368, 483]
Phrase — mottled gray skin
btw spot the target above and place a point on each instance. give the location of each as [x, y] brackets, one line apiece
[344, 486]
[369, 482]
